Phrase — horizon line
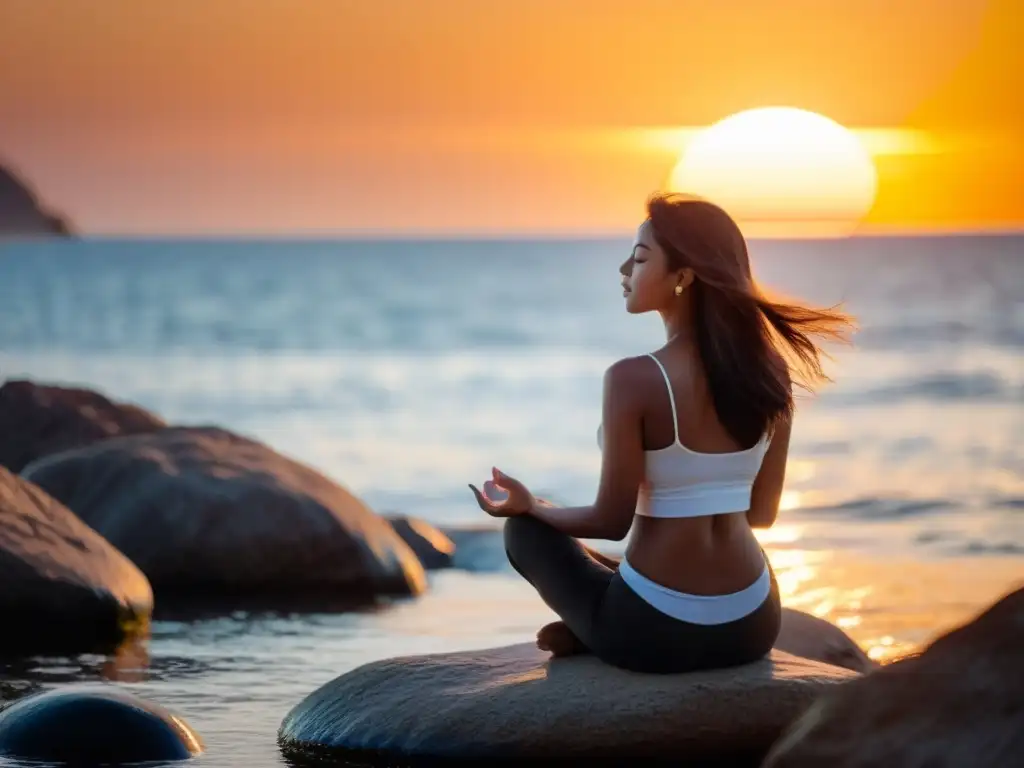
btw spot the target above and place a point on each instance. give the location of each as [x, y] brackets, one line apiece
[863, 232]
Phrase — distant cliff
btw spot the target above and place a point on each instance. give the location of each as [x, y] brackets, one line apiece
[22, 214]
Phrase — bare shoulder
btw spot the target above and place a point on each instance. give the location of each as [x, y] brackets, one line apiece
[632, 378]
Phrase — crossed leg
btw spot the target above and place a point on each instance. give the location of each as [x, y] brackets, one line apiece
[569, 577]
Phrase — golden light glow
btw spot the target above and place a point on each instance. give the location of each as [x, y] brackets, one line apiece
[781, 169]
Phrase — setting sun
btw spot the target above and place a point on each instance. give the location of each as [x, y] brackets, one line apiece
[781, 170]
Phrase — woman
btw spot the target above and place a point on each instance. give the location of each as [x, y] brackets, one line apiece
[694, 440]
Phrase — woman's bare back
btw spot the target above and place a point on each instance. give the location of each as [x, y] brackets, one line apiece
[710, 555]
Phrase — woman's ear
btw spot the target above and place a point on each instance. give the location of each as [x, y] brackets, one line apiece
[685, 279]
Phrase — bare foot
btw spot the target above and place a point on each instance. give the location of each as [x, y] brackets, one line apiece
[559, 639]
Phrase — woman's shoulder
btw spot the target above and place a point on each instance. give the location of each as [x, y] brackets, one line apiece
[630, 373]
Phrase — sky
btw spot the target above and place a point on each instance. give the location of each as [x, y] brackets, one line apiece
[517, 117]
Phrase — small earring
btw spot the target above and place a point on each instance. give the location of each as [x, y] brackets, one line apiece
[679, 290]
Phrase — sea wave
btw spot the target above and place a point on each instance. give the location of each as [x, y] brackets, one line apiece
[979, 547]
[882, 508]
[938, 386]
[884, 337]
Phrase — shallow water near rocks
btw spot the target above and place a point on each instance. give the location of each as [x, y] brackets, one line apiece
[235, 678]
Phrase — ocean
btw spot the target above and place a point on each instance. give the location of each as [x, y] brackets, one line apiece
[405, 370]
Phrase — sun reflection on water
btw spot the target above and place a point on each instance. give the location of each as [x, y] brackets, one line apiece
[890, 606]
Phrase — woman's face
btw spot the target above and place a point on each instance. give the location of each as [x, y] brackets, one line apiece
[647, 282]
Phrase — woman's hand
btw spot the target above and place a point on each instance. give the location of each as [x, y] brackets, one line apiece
[517, 498]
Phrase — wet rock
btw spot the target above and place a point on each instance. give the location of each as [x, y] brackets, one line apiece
[91, 725]
[205, 512]
[960, 702]
[37, 420]
[433, 548]
[63, 586]
[515, 703]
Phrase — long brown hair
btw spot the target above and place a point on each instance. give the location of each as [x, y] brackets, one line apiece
[753, 349]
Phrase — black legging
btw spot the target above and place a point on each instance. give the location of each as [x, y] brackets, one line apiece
[615, 623]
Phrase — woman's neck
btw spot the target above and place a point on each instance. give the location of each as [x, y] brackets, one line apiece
[676, 328]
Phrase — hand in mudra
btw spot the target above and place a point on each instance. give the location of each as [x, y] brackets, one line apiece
[503, 496]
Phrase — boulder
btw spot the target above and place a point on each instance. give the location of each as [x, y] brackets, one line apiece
[92, 725]
[63, 586]
[958, 702]
[433, 548]
[37, 420]
[206, 512]
[515, 703]
[814, 638]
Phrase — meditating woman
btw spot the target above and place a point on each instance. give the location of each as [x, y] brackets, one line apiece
[694, 442]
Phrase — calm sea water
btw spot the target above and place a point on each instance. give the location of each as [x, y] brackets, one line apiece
[405, 370]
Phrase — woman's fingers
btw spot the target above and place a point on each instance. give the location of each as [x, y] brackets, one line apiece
[506, 482]
[485, 504]
[494, 492]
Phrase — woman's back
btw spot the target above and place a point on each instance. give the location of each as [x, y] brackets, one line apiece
[692, 533]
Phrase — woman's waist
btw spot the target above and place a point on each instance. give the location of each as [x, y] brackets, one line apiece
[699, 556]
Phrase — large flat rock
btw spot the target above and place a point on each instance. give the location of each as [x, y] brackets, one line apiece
[62, 586]
[516, 703]
[205, 512]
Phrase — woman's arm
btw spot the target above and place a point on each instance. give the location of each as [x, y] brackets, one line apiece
[622, 463]
[767, 491]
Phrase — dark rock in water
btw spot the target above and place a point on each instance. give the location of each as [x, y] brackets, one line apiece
[37, 420]
[433, 548]
[813, 638]
[92, 724]
[62, 586]
[960, 702]
[21, 213]
[515, 703]
[208, 513]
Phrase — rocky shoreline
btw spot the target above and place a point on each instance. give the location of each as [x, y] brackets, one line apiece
[108, 512]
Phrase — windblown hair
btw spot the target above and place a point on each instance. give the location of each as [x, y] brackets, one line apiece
[753, 349]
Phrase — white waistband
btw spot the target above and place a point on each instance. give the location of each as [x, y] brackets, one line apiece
[698, 609]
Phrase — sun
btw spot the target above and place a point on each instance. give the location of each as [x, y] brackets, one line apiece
[781, 172]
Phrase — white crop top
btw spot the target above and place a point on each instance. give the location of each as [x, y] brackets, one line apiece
[683, 483]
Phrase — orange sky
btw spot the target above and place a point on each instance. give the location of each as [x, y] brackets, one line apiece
[485, 116]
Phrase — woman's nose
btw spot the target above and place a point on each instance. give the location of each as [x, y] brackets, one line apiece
[626, 269]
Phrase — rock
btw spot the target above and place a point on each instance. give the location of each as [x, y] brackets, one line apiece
[206, 512]
[38, 420]
[64, 587]
[93, 724]
[433, 548]
[515, 703]
[813, 638]
[21, 213]
[959, 702]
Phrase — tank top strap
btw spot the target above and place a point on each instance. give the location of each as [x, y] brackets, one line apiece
[671, 397]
